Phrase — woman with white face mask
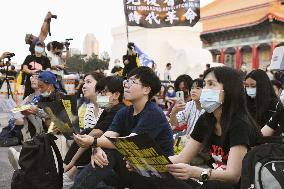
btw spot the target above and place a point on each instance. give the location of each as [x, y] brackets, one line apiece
[262, 101]
[110, 97]
[226, 129]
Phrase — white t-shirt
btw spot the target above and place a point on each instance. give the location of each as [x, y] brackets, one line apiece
[167, 75]
[55, 60]
[189, 116]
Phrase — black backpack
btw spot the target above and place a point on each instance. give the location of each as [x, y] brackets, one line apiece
[38, 168]
[263, 166]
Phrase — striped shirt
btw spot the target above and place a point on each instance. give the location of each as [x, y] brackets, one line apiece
[189, 116]
[90, 119]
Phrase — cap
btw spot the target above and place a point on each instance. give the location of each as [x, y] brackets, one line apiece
[48, 77]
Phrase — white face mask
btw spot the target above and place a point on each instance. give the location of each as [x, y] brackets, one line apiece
[103, 101]
[210, 100]
[39, 49]
[45, 94]
[251, 92]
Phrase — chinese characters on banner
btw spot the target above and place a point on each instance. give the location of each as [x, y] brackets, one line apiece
[162, 13]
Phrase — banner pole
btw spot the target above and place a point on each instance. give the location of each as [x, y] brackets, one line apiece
[126, 25]
[127, 33]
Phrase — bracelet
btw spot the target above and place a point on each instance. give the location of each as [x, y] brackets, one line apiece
[94, 145]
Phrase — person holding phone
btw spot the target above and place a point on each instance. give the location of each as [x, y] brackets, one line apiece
[188, 113]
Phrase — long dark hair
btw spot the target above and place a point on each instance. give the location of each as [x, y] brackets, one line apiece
[234, 98]
[265, 96]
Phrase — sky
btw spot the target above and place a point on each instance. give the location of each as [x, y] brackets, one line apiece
[75, 20]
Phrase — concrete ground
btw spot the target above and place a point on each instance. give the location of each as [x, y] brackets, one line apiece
[6, 170]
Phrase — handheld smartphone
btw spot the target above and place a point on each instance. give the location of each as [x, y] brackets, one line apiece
[180, 95]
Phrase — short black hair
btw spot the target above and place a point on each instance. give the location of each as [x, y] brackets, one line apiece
[148, 78]
[112, 84]
[277, 84]
[54, 44]
[168, 64]
[199, 82]
[183, 78]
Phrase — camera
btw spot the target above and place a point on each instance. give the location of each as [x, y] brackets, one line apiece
[67, 43]
[54, 16]
[10, 55]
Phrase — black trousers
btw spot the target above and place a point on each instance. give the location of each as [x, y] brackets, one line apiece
[116, 174]
[85, 158]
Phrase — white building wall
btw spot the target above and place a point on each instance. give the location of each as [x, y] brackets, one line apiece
[179, 45]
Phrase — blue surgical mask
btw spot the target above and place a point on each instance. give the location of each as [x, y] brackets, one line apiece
[251, 92]
[210, 100]
[103, 101]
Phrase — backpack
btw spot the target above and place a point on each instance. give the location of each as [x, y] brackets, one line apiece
[263, 166]
[11, 135]
[38, 168]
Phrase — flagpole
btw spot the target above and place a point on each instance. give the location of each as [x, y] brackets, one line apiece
[127, 32]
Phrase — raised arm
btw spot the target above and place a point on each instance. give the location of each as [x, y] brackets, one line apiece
[44, 28]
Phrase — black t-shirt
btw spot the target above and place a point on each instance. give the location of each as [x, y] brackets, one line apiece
[37, 63]
[34, 63]
[150, 120]
[131, 64]
[240, 133]
[106, 118]
[277, 122]
[265, 117]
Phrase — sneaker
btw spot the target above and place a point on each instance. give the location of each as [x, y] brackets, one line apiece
[67, 182]
[13, 157]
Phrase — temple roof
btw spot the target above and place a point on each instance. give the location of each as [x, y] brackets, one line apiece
[222, 15]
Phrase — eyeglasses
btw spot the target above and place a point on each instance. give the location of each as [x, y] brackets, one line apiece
[130, 82]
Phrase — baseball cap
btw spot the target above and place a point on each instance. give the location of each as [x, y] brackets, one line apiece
[48, 77]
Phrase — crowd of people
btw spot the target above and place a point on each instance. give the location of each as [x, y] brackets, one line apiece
[222, 114]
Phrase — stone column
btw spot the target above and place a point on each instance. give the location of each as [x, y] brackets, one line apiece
[222, 58]
[255, 57]
[238, 58]
[273, 45]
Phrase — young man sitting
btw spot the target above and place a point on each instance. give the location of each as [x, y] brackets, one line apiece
[112, 88]
[143, 116]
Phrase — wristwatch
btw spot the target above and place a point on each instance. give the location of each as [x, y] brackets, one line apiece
[205, 175]
[94, 145]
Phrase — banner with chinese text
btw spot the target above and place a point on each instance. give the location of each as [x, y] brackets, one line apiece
[161, 13]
